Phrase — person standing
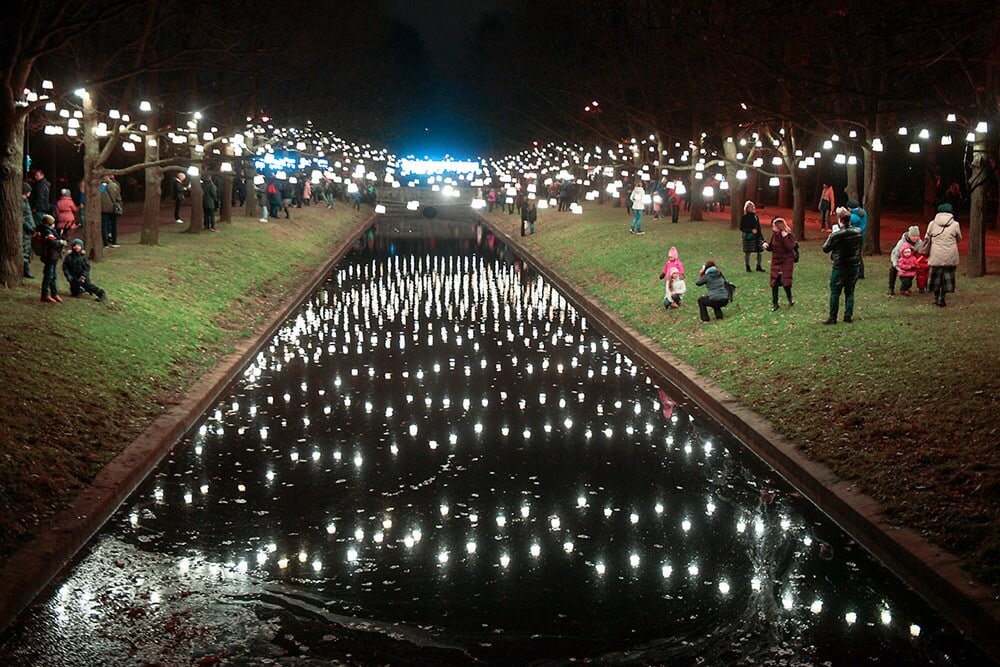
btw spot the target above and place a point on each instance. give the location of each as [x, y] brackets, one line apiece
[675, 206]
[41, 193]
[844, 246]
[111, 208]
[51, 247]
[827, 202]
[637, 200]
[27, 228]
[179, 192]
[529, 214]
[209, 202]
[941, 248]
[782, 249]
[753, 238]
[66, 212]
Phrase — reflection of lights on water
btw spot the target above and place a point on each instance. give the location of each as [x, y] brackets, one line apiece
[352, 555]
[785, 524]
[914, 630]
[554, 522]
[666, 570]
[600, 568]
[242, 567]
[408, 541]
[443, 557]
[359, 534]
[470, 547]
[283, 563]
[886, 617]
[525, 511]
[851, 618]
[607, 512]
[633, 518]
[724, 587]
[685, 525]
[444, 510]
[787, 601]
[633, 560]
[504, 560]
[568, 547]
[816, 607]
[317, 566]
[261, 558]
[536, 550]
[693, 570]
[741, 526]
[755, 584]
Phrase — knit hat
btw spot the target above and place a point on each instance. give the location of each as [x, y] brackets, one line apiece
[48, 220]
[852, 204]
[25, 188]
[78, 242]
[913, 232]
[945, 208]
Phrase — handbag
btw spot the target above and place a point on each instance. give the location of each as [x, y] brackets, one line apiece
[116, 208]
[795, 252]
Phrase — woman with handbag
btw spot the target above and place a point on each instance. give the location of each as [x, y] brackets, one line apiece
[941, 247]
[753, 239]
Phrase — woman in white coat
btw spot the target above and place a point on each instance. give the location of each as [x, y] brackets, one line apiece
[941, 247]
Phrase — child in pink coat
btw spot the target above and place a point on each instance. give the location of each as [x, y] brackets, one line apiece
[906, 268]
[672, 263]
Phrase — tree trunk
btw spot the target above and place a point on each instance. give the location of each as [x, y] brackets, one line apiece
[696, 185]
[873, 200]
[92, 181]
[736, 186]
[250, 210]
[752, 185]
[785, 188]
[975, 263]
[931, 174]
[197, 212]
[11, 178]
[154, 177]
[798, 187]
[851, 189]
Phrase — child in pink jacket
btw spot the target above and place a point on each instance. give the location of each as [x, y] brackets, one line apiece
[672, 263]
[906, 269]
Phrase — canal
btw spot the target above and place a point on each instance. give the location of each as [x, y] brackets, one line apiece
[437, 459]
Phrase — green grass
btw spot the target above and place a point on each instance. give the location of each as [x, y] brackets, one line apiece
[905, 401]
[82, 379]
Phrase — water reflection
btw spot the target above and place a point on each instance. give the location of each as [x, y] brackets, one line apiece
[437, 442]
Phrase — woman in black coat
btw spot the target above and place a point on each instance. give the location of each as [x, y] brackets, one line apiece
[753, 239]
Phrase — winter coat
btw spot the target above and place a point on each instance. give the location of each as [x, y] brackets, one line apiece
[944, 234]
[859, 220]
[40, 195]
[209, 195]
[907, 264]
[27, 229]
[844, 247]
[750, 232]
[672, 263]
[529, 214]
[638, 197]
[180, 189]
[76, 267]
[916, 244]
[66, 212]
[111, 194]
[53, 245]
[678, 286]
[715, 282]
[782, 249]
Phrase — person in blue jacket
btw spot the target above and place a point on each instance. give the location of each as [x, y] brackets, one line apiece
[859, 219]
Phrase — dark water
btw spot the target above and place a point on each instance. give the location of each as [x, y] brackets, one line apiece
[438, 460]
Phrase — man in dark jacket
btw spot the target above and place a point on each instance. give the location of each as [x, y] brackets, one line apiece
[179, 192]
[844, 247]
[76, 268]
[111, 208]
[209, 201]
[40, 196]
[27, 228]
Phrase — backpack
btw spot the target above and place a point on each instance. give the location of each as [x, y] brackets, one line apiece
[38, 243]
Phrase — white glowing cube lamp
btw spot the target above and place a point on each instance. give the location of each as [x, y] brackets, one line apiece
[379, 208]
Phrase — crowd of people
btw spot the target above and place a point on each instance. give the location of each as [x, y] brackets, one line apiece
[49, 227]
[930, 262]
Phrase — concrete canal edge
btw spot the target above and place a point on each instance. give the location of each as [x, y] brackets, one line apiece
[934, 573]
[30, 569]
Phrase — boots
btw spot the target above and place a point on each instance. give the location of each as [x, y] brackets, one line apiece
[27, 270]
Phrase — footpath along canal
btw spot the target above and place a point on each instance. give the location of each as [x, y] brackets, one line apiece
[437, 459]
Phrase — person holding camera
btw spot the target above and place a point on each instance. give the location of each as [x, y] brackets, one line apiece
[718, 293]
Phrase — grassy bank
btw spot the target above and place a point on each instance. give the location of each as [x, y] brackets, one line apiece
[82, 379]
[905, 401]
